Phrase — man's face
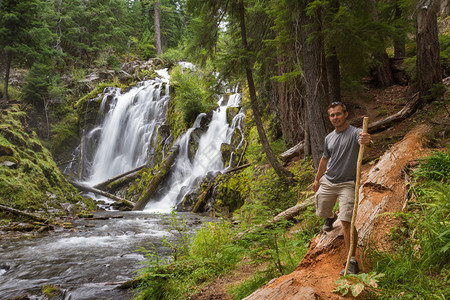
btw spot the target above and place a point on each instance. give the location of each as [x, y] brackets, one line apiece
[337, 116]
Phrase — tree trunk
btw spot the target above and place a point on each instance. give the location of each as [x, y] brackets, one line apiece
[279, 169]
[104, 185]
[333, 76]
[7, 70]
[156, 180]
[429, 71]
[157, 30]
[23, 214]
[383, 67]
[315, 90]
[399, 39]
[289, 154]
[100, 192]
[290, 104]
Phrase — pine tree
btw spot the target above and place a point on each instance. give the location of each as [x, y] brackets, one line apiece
[18, 20]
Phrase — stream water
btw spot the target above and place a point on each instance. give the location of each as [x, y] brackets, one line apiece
[86, 261]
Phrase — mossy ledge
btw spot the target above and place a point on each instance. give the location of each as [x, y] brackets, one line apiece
[32, 183]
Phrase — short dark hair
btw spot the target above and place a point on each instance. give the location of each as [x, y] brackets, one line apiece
[337, 103]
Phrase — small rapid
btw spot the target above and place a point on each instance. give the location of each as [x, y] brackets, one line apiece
[88, 261]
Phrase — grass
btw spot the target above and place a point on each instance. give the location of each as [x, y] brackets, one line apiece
[419, 267]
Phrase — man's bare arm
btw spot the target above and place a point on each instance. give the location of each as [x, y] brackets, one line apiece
[320, 171]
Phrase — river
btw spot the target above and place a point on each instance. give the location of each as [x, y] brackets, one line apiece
[87, 260]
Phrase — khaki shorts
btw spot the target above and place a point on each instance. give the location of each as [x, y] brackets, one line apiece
[327, 195]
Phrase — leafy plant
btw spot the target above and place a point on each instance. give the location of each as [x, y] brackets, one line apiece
[357, 283]
[419, 266]
[436, 167]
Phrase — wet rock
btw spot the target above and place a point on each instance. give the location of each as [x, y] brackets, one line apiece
[226, 153]
[8, 161]
[122, 206]
[231, 113]
[193, 143]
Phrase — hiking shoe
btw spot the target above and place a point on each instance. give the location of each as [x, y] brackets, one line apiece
[328, 226]
[352, 268]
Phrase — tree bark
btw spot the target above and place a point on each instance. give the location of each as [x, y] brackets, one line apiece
[333, 76]
[7, 70]
[383, 67]
[157, 30]
[156, 180]
[100, 192]
[399, 39]
[279, 169]
[290, 104]
[105, 184]
[429, 71]
[292, 152]
[315, 90]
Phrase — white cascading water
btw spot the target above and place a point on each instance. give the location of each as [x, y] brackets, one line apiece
[208, 158]
[128, 129]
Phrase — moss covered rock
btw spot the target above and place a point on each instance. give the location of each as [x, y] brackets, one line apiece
[34, 183]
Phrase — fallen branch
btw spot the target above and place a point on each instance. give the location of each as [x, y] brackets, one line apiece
[294, 211]
[156, 180]
[105, 184]
[238, 168]
[410, 107]
[287, 215]
[23, 214]
[65, 162]
[292, 152]
[201, 199]
[100, 192]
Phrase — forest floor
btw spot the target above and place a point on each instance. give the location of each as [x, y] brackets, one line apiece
[316, 274]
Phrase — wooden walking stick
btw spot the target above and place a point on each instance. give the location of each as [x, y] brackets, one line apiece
[353, 236]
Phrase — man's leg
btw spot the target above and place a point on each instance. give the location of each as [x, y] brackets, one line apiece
[326, 198]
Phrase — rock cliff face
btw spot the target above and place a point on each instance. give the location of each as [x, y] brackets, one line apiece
[383, 189]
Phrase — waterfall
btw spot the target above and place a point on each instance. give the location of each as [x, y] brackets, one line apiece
[186, 174]
[126, 132]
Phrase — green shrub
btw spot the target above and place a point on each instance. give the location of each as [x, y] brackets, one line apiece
[192, 94]
[435, 168]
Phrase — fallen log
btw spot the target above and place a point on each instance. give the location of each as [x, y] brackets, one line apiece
[410, 107]
[292, 152]
[23, 214]
[156, 180]
[294, 211]
[100, 192]
[287, 215]
[104, 185]
[238, 168]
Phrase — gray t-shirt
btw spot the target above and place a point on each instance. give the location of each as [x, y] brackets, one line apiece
[342, 148]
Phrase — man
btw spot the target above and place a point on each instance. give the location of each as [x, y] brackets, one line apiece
[338, 167]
